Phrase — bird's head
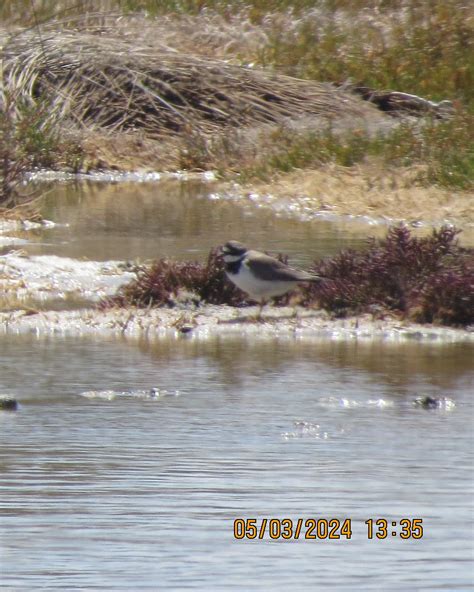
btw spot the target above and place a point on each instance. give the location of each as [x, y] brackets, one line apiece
[233, 251]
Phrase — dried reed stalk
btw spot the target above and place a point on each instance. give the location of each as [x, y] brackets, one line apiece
[99, 76]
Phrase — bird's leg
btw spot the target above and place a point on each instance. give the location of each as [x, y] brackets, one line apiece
[260, 309]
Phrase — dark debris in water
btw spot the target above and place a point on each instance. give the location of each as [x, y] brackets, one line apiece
[428, 402]
[8, 404]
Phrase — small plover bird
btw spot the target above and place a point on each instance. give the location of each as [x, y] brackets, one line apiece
[261, 276]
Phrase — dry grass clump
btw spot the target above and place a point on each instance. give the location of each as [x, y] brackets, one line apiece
[101, 78]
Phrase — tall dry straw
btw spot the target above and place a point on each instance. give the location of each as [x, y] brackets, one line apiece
[102, 76]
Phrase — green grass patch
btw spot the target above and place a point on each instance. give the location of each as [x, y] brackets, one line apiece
[30, 138]
[444, 148]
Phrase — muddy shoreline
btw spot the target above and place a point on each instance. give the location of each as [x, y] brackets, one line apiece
[224, 321]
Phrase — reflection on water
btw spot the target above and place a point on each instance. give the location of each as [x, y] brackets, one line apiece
[141, 494]
[438, 366]
[174, 219]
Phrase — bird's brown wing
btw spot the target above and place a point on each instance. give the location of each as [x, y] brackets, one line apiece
[268, 268]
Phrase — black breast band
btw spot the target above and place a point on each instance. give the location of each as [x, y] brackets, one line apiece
[233, 267]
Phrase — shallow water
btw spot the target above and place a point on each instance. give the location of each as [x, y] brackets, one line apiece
[141, 494]
[104, 487]
[172, 218]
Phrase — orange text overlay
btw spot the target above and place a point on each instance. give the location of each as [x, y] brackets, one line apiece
[325, 528]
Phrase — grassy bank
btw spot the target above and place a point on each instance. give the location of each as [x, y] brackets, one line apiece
[170, 104]
[442, 151]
